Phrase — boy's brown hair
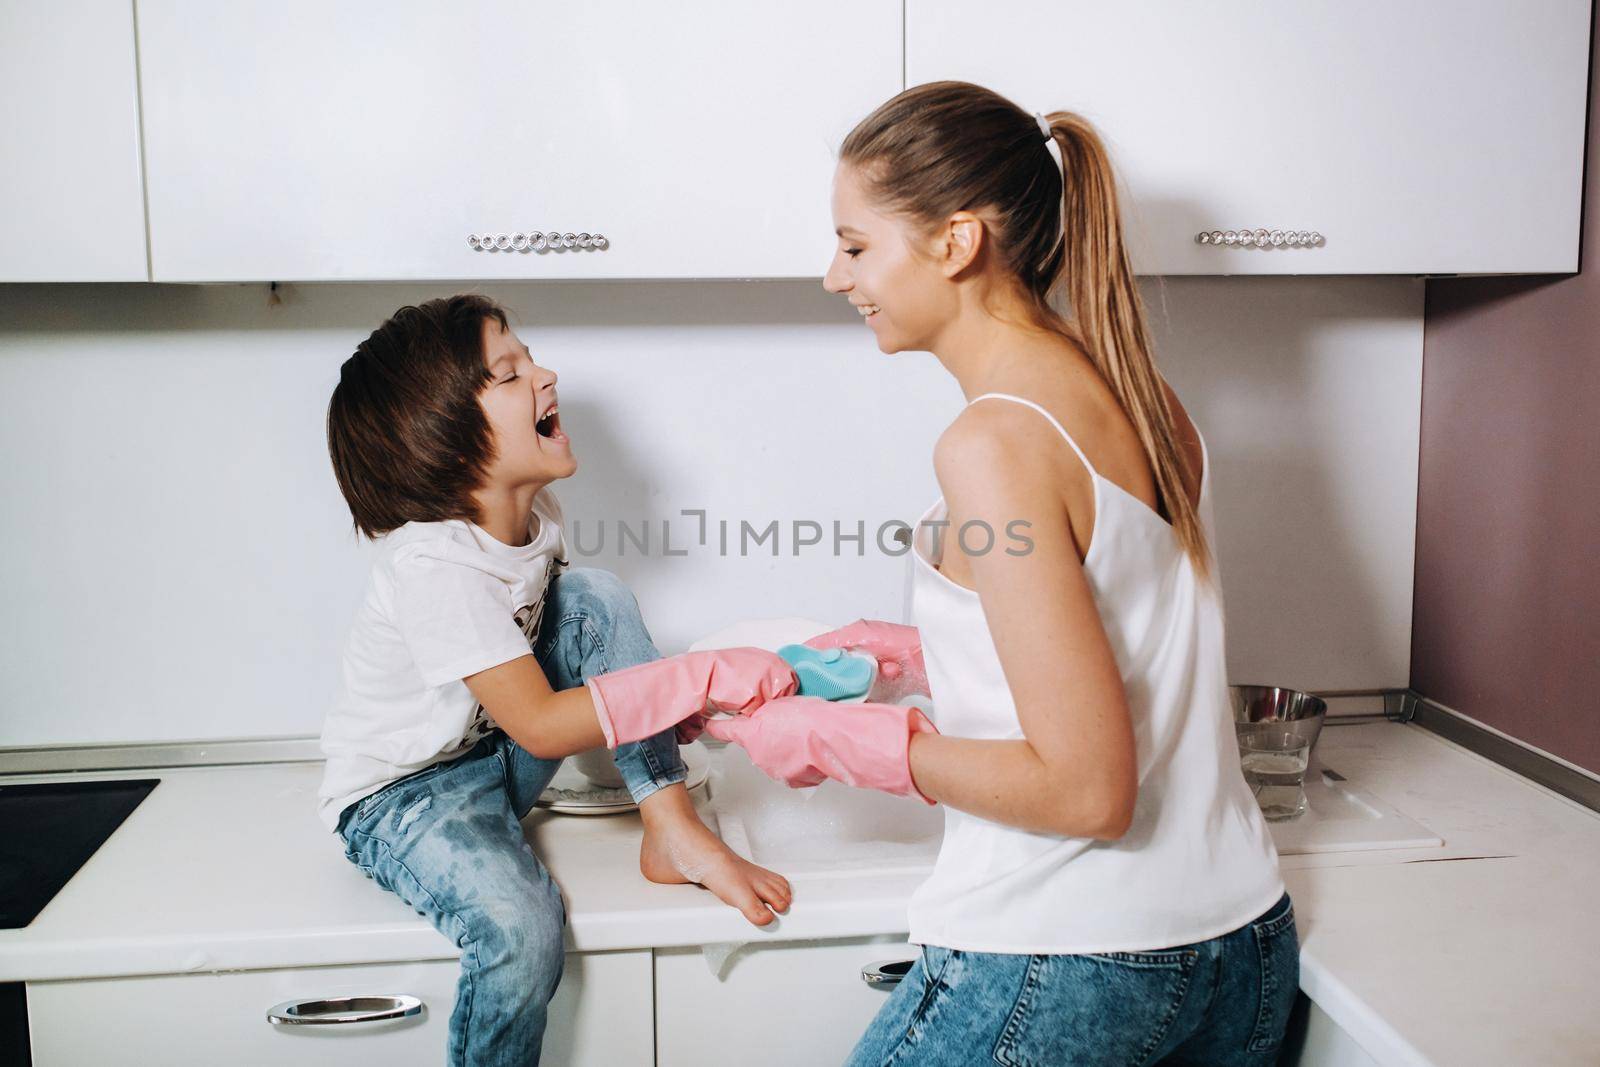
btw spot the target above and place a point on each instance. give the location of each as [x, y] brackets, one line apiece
[408, 439]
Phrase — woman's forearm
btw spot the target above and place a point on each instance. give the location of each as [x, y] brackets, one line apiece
[1007, 782]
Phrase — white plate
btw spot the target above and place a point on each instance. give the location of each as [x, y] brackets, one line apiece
[570, 793]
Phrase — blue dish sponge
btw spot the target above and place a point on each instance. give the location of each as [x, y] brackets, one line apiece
[830, 673]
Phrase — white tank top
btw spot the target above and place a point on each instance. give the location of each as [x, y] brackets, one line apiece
[1197, 860]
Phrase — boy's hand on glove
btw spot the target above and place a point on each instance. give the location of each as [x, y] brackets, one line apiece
[803, 740]
[639, 702]
[896, 647]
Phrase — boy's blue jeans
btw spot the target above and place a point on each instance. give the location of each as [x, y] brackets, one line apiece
[1218, 1003]
[448, 840]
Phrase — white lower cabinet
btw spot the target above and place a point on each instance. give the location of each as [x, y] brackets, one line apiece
[797, 1004]
[1315, 1040]
[804, 1004]
[600, 1016]
[783, 1004]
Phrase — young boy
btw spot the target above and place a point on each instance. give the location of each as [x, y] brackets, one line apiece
[477, 661]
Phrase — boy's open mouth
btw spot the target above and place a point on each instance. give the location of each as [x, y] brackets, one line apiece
[549, 424]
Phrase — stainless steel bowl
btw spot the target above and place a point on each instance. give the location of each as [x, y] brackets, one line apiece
[1274, 709]
[1273, 703]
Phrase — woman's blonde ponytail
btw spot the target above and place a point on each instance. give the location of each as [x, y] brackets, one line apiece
[1095, 277]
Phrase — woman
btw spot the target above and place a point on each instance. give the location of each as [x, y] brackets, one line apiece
[1107, 891]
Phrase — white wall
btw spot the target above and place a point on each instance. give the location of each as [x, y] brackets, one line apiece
[179, 564]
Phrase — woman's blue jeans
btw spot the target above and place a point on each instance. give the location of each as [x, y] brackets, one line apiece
[448, 840]
[1214, 1003]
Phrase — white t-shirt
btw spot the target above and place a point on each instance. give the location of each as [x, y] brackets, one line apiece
[445, 600]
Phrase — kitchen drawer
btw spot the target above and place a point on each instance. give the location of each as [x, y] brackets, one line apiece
[600, 1016]
[796, 1004]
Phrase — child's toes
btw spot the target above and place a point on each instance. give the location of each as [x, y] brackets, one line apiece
[774, 889]
[751, 906]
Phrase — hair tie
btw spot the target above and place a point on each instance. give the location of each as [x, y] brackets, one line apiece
[1049, 140]
[1054, 149]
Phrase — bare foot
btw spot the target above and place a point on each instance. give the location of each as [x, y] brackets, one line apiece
[679, 848]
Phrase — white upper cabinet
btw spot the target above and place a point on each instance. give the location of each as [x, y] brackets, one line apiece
[1414, 137]
[73, 209]
[303, 140]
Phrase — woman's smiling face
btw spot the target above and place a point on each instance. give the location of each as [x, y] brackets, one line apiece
[881, 266]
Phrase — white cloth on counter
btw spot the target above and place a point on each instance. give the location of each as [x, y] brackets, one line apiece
[445, 600]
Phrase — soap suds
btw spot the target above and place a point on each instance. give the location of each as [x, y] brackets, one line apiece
[694, 872]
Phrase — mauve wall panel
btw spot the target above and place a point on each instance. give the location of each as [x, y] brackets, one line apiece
[1506, 624]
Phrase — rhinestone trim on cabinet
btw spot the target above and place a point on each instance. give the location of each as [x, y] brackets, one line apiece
[1260, 238]
[536, 241]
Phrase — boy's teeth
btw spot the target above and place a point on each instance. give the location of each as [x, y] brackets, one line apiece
[867, 309]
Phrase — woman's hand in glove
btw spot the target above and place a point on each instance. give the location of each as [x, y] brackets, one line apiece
[896, 647]
[803, 740]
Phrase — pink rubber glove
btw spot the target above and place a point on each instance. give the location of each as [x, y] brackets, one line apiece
[803, 740]
[897, 648]
[639, 702]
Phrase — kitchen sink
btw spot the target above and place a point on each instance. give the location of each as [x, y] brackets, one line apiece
[834, 831]
[827, 831]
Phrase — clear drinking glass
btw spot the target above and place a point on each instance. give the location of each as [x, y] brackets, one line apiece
[1275, 767]
[1276, 729]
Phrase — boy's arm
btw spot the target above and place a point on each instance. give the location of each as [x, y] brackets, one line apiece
[626, 705]
[547, 724]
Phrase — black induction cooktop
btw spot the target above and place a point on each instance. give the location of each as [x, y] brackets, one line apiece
[50, 829]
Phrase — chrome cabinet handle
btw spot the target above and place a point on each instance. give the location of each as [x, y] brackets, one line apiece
[886, 973]
[338, 1010]
[1261, 238]
[537, 241]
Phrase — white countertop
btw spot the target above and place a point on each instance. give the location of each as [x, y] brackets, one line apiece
[1423, 955]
